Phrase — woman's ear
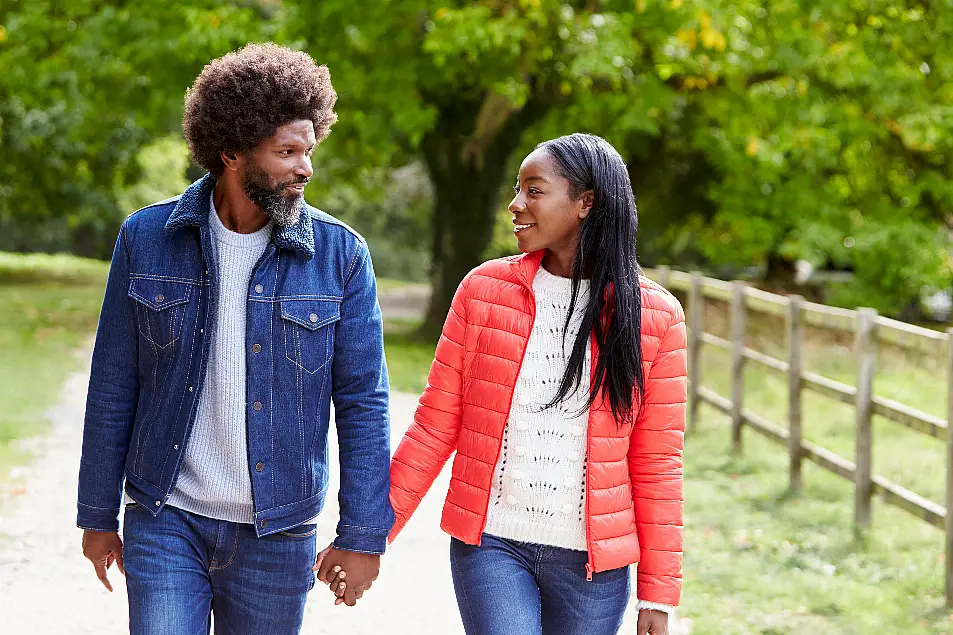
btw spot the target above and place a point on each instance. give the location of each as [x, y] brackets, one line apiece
[586, 200]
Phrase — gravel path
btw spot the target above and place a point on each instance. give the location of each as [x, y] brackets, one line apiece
[40, 557]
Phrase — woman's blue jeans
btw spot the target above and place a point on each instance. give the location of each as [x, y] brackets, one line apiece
[506, 587]
[181, 568]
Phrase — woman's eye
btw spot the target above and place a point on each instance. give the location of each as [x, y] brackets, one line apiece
[516, 188]
[533, 190]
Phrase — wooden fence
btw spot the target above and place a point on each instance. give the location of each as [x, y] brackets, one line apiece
[868, 328]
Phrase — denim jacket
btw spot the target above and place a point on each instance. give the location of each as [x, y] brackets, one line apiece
[314, 334]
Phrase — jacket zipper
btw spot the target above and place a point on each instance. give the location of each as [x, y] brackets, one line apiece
[590, 569]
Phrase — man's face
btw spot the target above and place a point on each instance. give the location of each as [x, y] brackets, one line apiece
[275, 173]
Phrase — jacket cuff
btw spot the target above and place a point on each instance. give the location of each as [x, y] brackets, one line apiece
[361, 540]
[97, 518]
[655, 606]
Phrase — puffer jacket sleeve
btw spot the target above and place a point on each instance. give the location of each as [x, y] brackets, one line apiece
[655, 465]
[432, 438]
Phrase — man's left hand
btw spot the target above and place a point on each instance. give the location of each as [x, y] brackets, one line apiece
[361, 569]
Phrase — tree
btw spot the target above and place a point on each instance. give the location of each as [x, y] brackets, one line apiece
[86, 84]
[755, 132]
[458, 85]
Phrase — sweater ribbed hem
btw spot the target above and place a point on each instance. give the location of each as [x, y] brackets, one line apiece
[231, 511]
[512, 527]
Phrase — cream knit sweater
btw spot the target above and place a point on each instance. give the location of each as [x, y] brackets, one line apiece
[538, 492]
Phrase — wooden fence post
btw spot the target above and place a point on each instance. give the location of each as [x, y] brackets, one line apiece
[696, 309]
[795, 337]
[664, 273]
[866, 351]
[738, 330]
[949, 471]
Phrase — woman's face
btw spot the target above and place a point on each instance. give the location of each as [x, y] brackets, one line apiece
[544, 214]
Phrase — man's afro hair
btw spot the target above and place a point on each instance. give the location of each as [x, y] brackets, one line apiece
[242, 98]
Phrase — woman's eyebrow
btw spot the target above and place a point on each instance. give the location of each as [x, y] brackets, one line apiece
[536, 178]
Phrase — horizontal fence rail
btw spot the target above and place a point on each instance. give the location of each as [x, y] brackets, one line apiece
[869, 330]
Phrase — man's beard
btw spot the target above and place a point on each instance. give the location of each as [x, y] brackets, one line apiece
[283, 209]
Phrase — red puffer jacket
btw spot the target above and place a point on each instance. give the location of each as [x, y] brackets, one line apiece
[634, 486]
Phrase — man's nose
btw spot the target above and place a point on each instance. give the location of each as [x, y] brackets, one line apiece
[304, 167]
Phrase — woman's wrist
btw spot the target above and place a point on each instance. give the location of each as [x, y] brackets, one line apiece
[655, 606]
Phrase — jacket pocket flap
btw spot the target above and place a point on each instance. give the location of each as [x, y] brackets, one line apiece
[311, 314]
[159, 295]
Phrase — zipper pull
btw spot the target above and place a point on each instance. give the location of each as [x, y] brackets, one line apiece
[588, 572]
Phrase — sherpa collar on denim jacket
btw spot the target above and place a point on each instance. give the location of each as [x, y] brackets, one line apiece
[193, 210]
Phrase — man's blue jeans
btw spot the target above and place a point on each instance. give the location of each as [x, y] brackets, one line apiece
[181, 567]
[505, 587]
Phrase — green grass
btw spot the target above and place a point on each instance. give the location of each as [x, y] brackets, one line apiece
[408, 356]
[51, 268]
[49, 306]
[760, 561]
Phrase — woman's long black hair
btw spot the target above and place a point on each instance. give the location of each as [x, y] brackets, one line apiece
[607, 257]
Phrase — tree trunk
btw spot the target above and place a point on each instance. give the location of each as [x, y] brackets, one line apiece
[466, 155]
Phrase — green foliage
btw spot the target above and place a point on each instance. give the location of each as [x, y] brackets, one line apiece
[162, 166]
[85, 85]
[391, 209]
[755, 132]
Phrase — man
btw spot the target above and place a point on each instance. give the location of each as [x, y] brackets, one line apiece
[234, 314]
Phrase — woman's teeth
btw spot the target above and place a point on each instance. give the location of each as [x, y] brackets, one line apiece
[519, 228]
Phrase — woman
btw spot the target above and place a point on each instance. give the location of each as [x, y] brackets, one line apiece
[559, 381]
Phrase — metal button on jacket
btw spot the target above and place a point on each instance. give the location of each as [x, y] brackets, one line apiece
[259, 288]
[160, 298]
[256, 348]
[259, 467]
[313, 317]
[256, 405]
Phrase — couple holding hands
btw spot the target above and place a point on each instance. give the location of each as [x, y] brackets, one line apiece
[235, 314]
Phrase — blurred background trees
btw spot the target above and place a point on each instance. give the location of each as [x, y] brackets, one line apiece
[757, 133]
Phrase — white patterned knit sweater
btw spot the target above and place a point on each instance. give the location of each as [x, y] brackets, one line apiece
[538, 493]
[214, 480]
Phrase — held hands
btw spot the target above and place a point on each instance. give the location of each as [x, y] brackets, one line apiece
[653, 622]
[102, 548]
[334, 566]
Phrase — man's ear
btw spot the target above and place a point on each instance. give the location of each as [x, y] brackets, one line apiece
[232, 160]
[587, 200]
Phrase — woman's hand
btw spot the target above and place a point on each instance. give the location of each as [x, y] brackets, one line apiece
[335, 577]
[653, 622]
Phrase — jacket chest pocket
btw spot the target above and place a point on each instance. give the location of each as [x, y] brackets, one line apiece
[308, 332]
[160, 306]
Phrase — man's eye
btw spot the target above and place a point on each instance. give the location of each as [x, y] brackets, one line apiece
[533, 190]
[516, 188]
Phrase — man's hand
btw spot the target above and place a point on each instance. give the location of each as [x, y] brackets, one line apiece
[360, 569]
[102, 548]
[653, 622]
